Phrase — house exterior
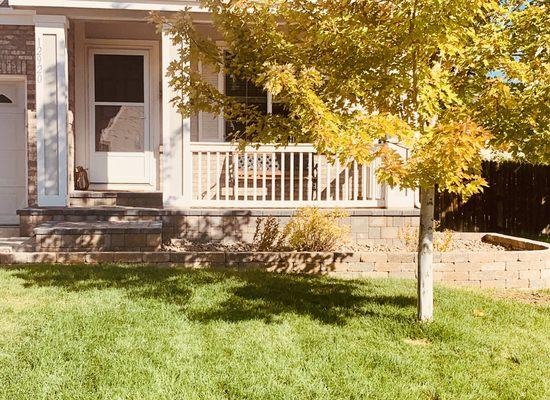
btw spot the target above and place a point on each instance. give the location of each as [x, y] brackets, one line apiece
[82, 83]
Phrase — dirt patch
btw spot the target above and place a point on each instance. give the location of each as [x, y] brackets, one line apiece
[539, 297]
[182, 245]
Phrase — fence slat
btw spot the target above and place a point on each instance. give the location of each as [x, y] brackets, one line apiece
[517, 201]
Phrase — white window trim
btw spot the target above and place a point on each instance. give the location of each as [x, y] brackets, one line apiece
[146, 95]
[221, 134]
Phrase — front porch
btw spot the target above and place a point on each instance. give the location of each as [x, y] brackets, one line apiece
[124, 130]
[102, 102]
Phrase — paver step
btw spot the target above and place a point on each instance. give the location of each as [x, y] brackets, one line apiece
[99, 235]
[89, 198]
[10, 245]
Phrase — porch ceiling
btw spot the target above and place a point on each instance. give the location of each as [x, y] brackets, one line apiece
[144, 5]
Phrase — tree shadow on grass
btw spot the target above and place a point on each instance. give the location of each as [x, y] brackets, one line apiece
[247, 295]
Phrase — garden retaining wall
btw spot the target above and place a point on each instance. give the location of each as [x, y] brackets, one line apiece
[526, 267]
[374, 226]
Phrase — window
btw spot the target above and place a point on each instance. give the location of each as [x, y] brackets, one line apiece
[119, 102]
[5, 99]
[247, 93]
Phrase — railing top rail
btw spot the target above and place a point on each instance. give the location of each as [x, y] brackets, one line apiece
[223, 147]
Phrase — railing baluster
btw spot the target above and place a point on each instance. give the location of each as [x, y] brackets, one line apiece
[255, 176]
[318, 194]
[236, 176]
[273, 181]
[355, 183]
[364, 182]
[245, 173]
[208, 173]
[218, 175]
[264, 180]
[379, 186]
[310, 177]
[291, 167]
[372, 181]
[227, 176]
[346, 182]
[301, 178]
[283, 177]
[199, 191]
[337, 188]
[328, 181]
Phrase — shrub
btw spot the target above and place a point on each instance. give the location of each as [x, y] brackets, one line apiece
[267, 234]
[312, 229]
[409, 237]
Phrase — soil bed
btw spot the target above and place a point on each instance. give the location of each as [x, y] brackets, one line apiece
[470, 245]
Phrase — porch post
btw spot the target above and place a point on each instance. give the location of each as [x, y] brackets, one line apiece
[51, 109]
[399, 198]
[176, 134]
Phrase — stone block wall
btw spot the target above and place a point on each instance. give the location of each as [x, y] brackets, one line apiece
[375, 226]
[17, 57]
[517, 269]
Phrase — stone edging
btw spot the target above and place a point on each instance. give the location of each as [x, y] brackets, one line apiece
[526, 269]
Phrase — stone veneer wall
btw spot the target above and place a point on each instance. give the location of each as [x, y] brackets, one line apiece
[518, 269]
[17, 57]
[375, 226]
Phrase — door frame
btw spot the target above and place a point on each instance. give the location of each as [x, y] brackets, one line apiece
[84, 62]
[22, 80]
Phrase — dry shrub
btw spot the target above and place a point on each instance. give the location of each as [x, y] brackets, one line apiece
[310, 229]
[267, 234]
[409, 237]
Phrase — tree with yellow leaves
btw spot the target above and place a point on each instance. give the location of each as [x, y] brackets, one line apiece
[445, 78]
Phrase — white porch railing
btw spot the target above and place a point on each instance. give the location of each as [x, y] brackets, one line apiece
[278, 177]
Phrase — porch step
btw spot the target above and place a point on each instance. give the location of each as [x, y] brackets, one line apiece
[8, 231]
[10, 245]
[99, 236]
[90, 198]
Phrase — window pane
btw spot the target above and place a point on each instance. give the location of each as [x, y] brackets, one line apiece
[119, 78]
[119, 128]
[238, 87]
[246, 93]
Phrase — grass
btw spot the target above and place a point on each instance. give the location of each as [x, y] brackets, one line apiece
[120, 332]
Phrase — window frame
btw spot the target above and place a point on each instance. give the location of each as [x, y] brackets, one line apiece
[222, 131]
[93, 103]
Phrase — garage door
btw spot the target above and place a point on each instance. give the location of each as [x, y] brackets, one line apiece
[12, 151]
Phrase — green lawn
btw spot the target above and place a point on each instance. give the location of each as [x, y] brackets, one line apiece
[114, 332]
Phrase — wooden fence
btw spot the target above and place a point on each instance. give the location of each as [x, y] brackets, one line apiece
[517, 201]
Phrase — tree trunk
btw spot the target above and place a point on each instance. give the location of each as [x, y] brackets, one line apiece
[425, 255]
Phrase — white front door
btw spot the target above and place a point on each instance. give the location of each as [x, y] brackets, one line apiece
[120, 113]
[12, 151]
